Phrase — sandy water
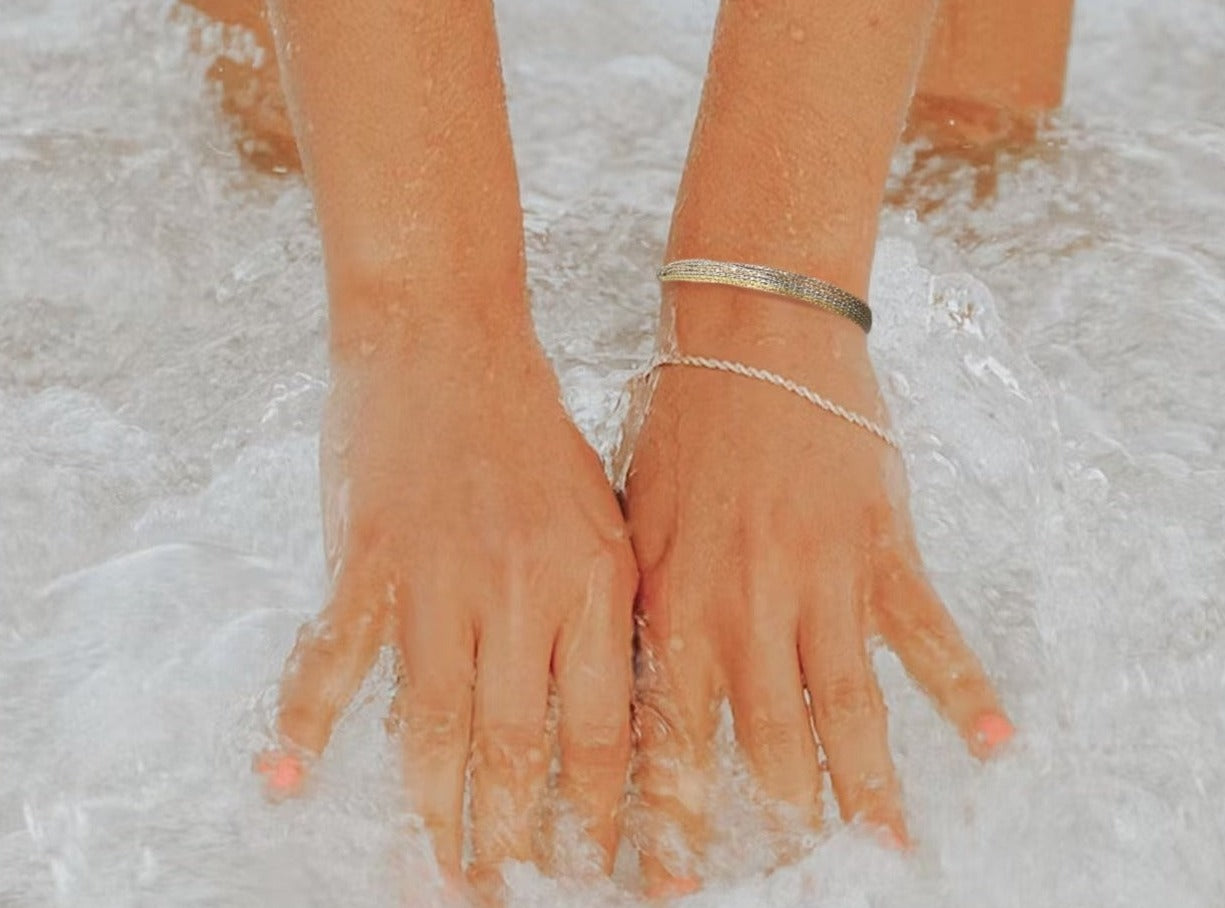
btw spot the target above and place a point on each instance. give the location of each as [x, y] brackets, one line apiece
[1052, 356]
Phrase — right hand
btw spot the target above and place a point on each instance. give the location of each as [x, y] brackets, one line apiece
[479, 536]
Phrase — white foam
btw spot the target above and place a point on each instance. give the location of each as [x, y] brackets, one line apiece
[1052, 357]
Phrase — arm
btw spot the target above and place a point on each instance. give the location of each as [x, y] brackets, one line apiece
[470, 526]
[773, 538]
[402, 126]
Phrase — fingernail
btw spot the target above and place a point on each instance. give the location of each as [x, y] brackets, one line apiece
[282, 772]
[992, 731]
[675, 888]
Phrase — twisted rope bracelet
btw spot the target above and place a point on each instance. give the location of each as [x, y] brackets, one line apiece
[773, 378]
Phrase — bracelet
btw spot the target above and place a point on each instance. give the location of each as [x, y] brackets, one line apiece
[724, 365]
[817, 293]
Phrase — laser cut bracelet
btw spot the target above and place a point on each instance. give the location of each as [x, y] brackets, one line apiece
[815, 292]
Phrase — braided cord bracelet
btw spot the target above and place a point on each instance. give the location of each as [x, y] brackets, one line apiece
[724, 365]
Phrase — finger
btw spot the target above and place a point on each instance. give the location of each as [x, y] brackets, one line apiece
[592, 662]
[848, 711]
[509, 744]
[920, 630]
[674, 723]
[432, 716]
[772, 719]
[331, 657]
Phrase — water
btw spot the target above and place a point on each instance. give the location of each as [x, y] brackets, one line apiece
[1052, 357]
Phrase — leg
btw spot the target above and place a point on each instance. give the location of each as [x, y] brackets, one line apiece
[992, 68]
[248, 14]
[251, 92]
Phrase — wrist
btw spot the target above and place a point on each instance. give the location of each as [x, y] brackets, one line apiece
[400, 318]
[397, 342]
[735, 320]
[450, 382]
[814, 347]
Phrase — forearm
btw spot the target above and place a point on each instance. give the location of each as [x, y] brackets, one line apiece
[803, 104]
[400, 116]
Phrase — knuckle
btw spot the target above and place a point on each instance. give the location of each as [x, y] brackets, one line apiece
[602, 747]
[775, 742]
[671, 788]
[908, 622]
[872, 796]
[431, 731]
[331, 641]
[845, 700]
[509, 748]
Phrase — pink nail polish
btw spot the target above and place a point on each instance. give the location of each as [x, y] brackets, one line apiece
[284, 772]
[992, 731]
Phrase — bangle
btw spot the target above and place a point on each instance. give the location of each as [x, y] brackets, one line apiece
[724, 365]
[817, 293]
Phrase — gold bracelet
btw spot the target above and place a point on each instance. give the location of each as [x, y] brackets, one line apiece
[817, 293]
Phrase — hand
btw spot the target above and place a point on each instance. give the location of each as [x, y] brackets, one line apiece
[477, 535]
[774, 542]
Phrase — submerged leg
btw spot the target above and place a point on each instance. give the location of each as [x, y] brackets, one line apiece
[991, 69]
[251, 90]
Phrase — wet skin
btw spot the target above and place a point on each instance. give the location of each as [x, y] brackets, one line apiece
[472, 529]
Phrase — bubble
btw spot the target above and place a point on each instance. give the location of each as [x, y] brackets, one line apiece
[1052, 355]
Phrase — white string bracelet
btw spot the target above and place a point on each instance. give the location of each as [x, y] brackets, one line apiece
[725, 365]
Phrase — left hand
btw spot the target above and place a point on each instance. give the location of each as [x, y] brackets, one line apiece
[774, 541]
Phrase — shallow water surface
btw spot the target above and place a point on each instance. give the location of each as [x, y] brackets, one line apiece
[1052, 356]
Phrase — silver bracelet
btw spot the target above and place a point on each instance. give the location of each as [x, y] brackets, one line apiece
[724, 365]
[817, 293]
